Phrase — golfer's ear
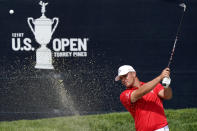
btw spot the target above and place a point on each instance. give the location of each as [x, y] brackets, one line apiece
[133, 74]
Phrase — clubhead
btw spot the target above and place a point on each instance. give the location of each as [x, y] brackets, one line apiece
[183, 5]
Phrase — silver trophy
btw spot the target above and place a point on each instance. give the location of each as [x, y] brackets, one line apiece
[43, 32]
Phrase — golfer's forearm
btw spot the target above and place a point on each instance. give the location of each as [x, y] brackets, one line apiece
[147, 87]
[167, 93]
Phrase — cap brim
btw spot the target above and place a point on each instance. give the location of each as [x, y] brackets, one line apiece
[117, 78]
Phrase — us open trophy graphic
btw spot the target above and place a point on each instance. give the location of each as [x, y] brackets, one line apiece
[43, 32]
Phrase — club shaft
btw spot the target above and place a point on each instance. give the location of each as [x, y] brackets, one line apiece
[172, 53]
[175, 41]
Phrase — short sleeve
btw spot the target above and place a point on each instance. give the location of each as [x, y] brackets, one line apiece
[158, 88]
[125, 98]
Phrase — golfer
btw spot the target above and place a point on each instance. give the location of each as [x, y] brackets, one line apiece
[144, 101]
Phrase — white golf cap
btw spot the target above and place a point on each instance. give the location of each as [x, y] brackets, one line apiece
[123, 70]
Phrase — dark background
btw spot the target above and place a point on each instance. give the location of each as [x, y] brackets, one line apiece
[140, 33]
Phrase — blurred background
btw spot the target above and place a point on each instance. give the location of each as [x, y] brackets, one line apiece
[140, 33]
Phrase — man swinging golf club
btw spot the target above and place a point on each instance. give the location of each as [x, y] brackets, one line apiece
[144, 101]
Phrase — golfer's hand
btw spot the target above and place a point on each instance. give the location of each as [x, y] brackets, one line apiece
[165, 73]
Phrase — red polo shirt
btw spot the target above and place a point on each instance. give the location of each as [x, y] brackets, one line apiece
[148, 111]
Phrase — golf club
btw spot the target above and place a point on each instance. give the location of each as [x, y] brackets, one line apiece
[166, 81]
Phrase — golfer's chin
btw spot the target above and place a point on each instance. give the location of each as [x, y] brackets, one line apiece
[129, 85]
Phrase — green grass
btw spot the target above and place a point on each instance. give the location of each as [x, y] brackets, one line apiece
[179, 120]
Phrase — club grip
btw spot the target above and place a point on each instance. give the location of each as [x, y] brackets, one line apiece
[166, 82]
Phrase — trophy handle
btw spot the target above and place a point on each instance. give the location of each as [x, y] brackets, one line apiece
[57, 21]
[29, 20]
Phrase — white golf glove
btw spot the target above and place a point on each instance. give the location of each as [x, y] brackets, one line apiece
[166, 82]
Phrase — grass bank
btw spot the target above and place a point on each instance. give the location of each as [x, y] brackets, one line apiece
[179, 120]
